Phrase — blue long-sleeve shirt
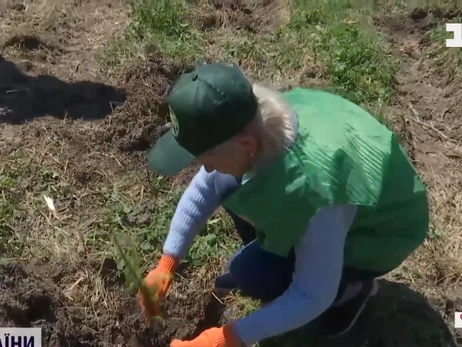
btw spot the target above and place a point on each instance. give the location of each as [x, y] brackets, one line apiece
[318, 264]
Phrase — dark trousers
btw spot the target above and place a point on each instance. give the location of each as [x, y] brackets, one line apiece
[265, 276]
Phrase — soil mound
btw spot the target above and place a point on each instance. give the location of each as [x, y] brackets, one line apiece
[135, 125]
[81, 122]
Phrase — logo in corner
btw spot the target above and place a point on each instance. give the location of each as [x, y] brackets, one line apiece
[456, 28]
[21, 337]
[458, 320]
[175, 125]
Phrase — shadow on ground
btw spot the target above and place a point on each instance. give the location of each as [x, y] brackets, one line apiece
[24, 97]
[395, 317]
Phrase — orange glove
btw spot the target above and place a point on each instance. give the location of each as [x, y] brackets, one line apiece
[159, 281]
[214, 337]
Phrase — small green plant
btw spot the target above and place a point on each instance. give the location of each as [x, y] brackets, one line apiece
[135, 231]
[133, 274]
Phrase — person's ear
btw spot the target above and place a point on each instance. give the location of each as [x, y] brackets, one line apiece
[248, 143]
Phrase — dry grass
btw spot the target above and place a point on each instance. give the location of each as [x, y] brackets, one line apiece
[76, 31]
[425, 113]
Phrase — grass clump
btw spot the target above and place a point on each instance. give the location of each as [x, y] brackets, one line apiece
[355, 64]
[334, 39]
[352, 54]
[164, 24]
[161, 17]
[12, 243]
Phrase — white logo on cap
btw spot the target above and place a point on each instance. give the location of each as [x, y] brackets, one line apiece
[175, 125]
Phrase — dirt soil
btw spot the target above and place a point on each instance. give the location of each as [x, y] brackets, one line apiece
[52, 85]
[51, 296]
[426, 114]
[57, 107]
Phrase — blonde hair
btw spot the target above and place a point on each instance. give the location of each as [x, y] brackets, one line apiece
[273, 124]
[274, 121]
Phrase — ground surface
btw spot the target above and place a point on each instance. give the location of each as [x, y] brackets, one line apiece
[81, 87]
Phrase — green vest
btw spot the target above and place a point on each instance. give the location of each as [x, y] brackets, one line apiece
[341, 155]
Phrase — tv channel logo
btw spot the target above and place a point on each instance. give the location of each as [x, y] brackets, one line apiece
[456, 41]
[458, 320]
[20, 337]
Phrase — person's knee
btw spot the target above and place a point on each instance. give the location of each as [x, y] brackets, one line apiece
[259, 275]
[246, 277]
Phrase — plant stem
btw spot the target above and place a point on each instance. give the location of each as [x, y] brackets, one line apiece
[136, 274]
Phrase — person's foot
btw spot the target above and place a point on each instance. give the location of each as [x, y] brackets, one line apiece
[338, 320]
[224, 284]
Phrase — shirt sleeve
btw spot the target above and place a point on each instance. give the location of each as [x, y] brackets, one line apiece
[318, 270]
[197, 204]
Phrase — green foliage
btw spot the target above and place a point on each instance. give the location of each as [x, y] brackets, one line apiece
[214, 241]
[358, 64]
[164, 23]
[142, 230]
[333, 35]
[133, 274]
[162, 17]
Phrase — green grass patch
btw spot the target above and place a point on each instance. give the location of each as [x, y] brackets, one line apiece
[164, 24]
[142, 230]
[358, 64]
[11, 244]
[333, 35]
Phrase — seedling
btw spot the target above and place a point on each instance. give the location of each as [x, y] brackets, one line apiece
[135, 280]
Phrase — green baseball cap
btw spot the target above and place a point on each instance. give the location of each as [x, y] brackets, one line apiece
[208, 106]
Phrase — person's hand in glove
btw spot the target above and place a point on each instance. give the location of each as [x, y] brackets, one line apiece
[214, 337]
[158, 282]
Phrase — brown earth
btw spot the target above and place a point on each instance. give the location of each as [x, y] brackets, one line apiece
[253, 16]
[426, 115]
[56, 112]
[69, 305]
[77, 115]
